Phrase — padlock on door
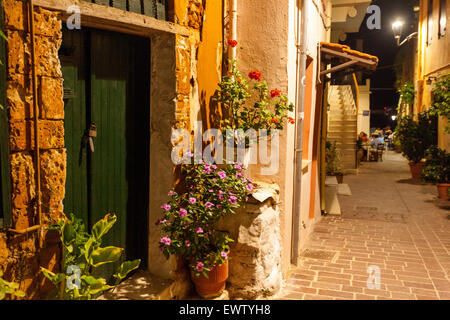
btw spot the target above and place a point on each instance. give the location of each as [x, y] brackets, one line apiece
[92, 134]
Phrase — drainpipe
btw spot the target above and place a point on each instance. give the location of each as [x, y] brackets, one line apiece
[232, 52]
[36, 119]
[299, 135]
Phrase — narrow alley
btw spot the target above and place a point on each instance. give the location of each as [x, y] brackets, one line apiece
[389, 221]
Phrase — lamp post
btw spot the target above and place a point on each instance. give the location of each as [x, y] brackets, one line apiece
[397, 28]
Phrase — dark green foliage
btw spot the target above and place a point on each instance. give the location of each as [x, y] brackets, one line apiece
[437, 167]
[417, 136]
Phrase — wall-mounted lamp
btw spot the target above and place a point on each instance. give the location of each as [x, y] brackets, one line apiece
[397, 28]
[430, 80]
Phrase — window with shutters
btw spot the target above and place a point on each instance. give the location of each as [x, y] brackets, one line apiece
[442, 18]
[430, 22]
[152, 8]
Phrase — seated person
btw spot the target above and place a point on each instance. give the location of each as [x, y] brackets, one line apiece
[376, 141]
[363, 136]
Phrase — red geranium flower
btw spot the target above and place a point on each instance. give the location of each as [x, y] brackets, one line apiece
[291, 120]
[255, 75]
[232, 43]
[274, 120]
[275, 93]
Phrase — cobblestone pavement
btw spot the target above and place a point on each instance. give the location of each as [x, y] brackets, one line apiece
[390, 221]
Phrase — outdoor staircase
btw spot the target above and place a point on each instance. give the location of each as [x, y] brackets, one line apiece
[342, 124]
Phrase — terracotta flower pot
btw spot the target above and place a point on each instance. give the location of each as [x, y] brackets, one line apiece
[416, 169]
[340, 178]
[214, 285]
[443, 190]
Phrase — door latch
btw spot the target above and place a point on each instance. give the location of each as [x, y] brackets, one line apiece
[91, 133]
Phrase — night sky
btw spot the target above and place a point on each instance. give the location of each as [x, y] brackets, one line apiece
[382, 44]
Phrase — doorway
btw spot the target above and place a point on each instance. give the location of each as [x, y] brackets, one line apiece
[107, 89]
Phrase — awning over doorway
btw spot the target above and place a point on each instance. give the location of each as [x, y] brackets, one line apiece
[342, 57]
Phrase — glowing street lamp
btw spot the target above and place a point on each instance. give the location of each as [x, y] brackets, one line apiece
[397, 28]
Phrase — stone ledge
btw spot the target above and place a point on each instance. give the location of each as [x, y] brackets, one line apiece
[146, 286]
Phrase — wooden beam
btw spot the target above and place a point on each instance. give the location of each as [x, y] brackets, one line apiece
[339, 67]
[347, 56]
[113, 19]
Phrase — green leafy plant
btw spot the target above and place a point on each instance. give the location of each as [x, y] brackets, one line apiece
[416, 136]
[407, 93]
[251, 105]
[188, 226]
[83, 251]
[437, 166]
[10, 288]
[333, 159]
[441, 100]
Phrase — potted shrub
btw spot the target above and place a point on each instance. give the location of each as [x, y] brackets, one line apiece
[249, 104]
[437, 170]
[415, 138]
[333, 162]
[190, 217]
[359, 150]
[397, 145]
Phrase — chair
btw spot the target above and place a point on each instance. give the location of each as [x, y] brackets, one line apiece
[380, 150]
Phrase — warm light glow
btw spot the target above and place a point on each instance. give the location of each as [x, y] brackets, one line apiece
[397, 27]
[393, 118]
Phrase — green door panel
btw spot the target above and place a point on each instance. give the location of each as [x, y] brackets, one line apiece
[72, 56]
[116, 98]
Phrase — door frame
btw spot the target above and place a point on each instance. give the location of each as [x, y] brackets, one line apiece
[163, 102]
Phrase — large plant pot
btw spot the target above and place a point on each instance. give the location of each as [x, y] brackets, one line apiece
[360, 155]
[214, 285]
[443, 190]
[340, 178]
[416, 169]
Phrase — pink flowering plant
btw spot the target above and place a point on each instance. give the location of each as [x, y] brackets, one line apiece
[189, 223]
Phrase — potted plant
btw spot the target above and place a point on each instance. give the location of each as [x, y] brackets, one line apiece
[251, 105]
[415, 138]
[333, 161]
[189, 223]
[397, 145]
[359, 150]
[437, 170]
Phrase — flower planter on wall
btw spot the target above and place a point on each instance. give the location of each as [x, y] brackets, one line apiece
[443, 190]
[214, 285]
[416, 169]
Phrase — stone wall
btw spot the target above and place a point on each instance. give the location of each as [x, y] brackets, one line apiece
[255, 267]
[21, 255]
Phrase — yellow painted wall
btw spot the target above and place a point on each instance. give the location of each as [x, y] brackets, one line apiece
[434, 61]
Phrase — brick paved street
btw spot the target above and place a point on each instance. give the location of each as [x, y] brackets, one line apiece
[389, 221]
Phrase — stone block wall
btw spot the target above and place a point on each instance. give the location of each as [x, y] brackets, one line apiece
[21, 255]
[255, 268]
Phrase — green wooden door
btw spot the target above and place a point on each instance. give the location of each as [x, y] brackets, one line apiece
[112, 83]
